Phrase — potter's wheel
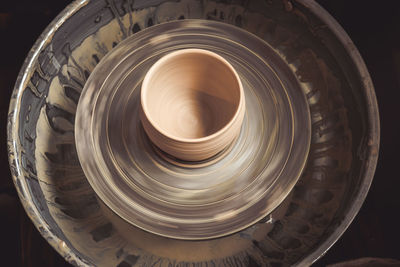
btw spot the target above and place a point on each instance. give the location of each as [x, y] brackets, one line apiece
[168, 199]
[311, 47]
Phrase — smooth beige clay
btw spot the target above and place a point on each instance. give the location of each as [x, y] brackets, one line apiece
[192, 104]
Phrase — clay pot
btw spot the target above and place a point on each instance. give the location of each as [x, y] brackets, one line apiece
[192, 104]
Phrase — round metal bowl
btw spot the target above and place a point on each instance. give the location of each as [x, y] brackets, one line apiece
[63, 206]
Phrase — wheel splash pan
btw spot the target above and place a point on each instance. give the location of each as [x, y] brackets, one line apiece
[62, 205]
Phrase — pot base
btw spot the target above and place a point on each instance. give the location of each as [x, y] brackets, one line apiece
[193, 164]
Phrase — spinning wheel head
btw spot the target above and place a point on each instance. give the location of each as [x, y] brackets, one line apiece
[257, 153]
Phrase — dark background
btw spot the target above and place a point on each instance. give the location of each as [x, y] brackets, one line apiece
[374, 26]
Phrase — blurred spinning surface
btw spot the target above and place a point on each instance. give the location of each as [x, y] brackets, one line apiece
[244, 186]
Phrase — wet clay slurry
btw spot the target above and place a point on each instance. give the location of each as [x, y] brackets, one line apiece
[54, 190]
